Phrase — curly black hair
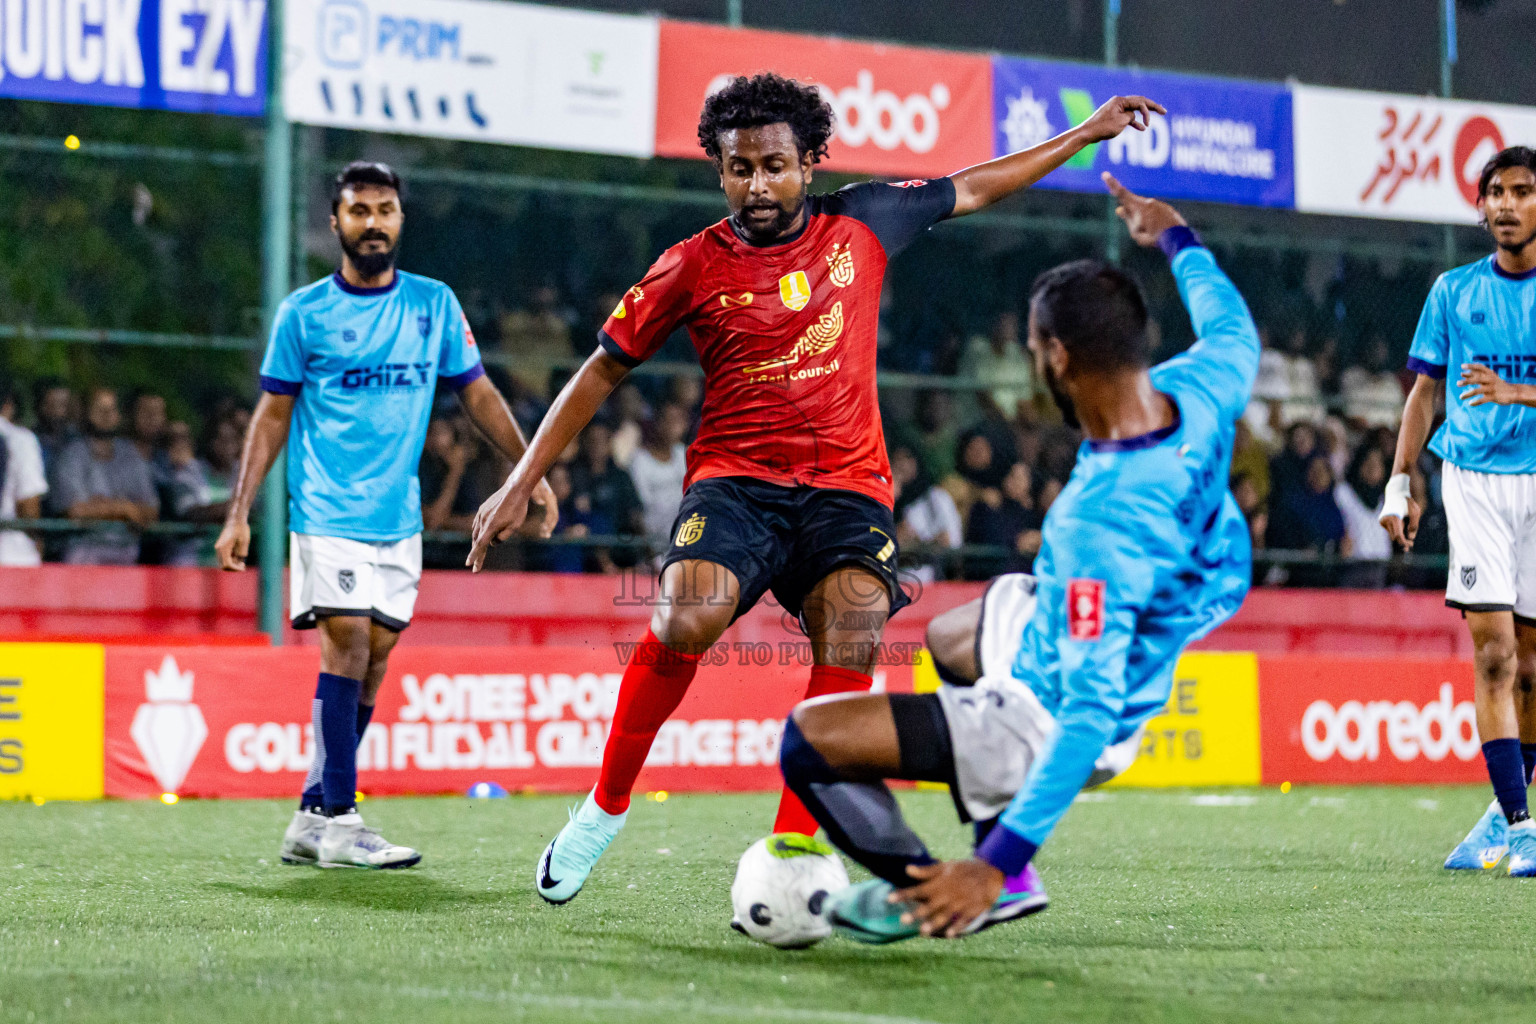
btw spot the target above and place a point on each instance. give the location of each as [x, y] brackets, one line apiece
[768, 98]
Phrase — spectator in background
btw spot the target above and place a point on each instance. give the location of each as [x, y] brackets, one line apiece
[446, 503]
[1004, 368]
[633, 415]
[148, 423]
[925, 513]
[537, 337]
[575, 522]
[934, 441]
[103, 477]
[1246, 494]
[604, 494]
[1371, 393]
[1307, 517]
[1287, 469]
[58, 416]
[1304, 394]
[1250, 460]
[1005, 517]
[22, 483]
[658, 470]
[188, 497]
[1359, 498]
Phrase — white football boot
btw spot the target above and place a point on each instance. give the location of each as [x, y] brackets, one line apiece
[301, 843]
[348, 843]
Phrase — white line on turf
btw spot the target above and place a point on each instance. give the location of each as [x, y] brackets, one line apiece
[694, 1009]
[1222, 800]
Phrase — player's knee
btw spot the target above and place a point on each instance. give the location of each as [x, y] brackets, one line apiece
[951, 640]
[689, 628]
[1495, 661]
[799, 757]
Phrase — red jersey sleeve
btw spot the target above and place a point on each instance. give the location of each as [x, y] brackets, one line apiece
[651, 310]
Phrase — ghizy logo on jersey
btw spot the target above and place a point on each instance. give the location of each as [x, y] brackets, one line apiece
[388, 377]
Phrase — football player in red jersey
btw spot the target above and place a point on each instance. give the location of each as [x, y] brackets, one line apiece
[788, 485]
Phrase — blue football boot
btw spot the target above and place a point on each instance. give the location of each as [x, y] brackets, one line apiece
[1522, 849]
[1484, 846]
[570, 856]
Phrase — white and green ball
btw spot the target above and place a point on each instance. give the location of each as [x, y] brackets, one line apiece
[782, 888]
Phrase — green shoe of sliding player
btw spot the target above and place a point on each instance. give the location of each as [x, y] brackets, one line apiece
[861, 913]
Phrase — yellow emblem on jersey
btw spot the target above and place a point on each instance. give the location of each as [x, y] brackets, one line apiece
[691, 530]
[732, 301]
[840, 260]
[795, 290]
[636, 294]
[818, 338]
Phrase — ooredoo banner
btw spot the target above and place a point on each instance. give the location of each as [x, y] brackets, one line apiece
[474, 69]
[1221, 140]
[1359, 720]
[1376, 154]
[218, 723]
[902, 111]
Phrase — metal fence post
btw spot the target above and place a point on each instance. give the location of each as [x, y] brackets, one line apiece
[1111, 57]
[1447, 59]
[277, 223]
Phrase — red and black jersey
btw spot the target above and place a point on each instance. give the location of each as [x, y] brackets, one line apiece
[786, 334]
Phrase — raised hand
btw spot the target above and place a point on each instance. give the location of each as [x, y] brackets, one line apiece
[1119, 113]
[1146, 219]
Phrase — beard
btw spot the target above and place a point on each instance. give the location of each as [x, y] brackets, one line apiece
[774, 229]
[1062, 399]
[1518, 247]
[370, 264]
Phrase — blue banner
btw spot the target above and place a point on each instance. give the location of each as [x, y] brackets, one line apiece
[194, 55]
[1222, 141]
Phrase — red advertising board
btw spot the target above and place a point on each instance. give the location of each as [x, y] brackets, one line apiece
[902, 111]
[235, 723]
[1364, 720]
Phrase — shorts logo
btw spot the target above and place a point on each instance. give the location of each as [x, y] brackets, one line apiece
[1085, 609]
[691, 530]
[347, 580]
[890, 545]
[841, 263]
[795, 290]
[424, 325]
[1469, 576]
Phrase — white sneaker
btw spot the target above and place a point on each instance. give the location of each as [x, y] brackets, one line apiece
[301, 843]
[348, 843]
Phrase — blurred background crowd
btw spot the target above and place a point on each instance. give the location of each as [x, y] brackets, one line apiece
[977, 456]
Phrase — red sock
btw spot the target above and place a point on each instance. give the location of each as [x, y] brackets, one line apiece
[653, 687]
[825, 679]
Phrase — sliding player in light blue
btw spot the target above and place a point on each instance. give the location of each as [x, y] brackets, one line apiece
[1480, 320]
[353, 365]
[1144, 551]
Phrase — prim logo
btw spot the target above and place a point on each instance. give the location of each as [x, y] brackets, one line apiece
[387, 377]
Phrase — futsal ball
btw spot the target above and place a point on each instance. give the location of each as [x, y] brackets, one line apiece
[782, 888]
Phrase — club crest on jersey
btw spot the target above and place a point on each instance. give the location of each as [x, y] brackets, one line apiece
[840, 262]
[691, 530]
[795, 290]
[347, 580]
[1085, 609]
[424, 325]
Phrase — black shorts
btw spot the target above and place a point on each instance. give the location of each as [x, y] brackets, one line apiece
[785, 539]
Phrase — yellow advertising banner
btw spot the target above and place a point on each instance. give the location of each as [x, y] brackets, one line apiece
[52, 721]
[1208, 735]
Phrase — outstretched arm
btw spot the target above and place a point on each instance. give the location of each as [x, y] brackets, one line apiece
[489, 413]
[504, 511]
[984, 184]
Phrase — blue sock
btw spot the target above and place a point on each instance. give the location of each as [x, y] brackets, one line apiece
[335, 713]
[1528, 754]
[1506, 770]
[313, 799]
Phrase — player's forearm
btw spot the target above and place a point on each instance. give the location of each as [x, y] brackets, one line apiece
[1418, 418]
[572, 410]
[263, 441]
[984, 184]
[1217, 311]
[491, 415]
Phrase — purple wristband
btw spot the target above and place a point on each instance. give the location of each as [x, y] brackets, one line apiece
[1007, 851]
[1176, 239]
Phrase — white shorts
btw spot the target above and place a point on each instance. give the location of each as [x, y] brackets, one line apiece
[1491, 519]
[998, 727]
[335, 576]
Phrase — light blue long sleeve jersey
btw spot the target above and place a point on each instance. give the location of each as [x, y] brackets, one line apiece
[1144, 551]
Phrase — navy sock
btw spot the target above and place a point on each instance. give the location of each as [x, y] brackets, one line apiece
[313, 799]
[861, 818]
[1506, 770]
[335, 713]
[1528, 755]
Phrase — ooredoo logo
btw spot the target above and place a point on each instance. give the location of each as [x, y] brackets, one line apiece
[1357, 730]
[866, 114]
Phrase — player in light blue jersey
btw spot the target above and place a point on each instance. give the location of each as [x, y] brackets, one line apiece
[349, 378]
[1144, 550]
[1480, 320]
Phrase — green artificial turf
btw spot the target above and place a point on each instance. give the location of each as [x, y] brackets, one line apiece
[1319, 904]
